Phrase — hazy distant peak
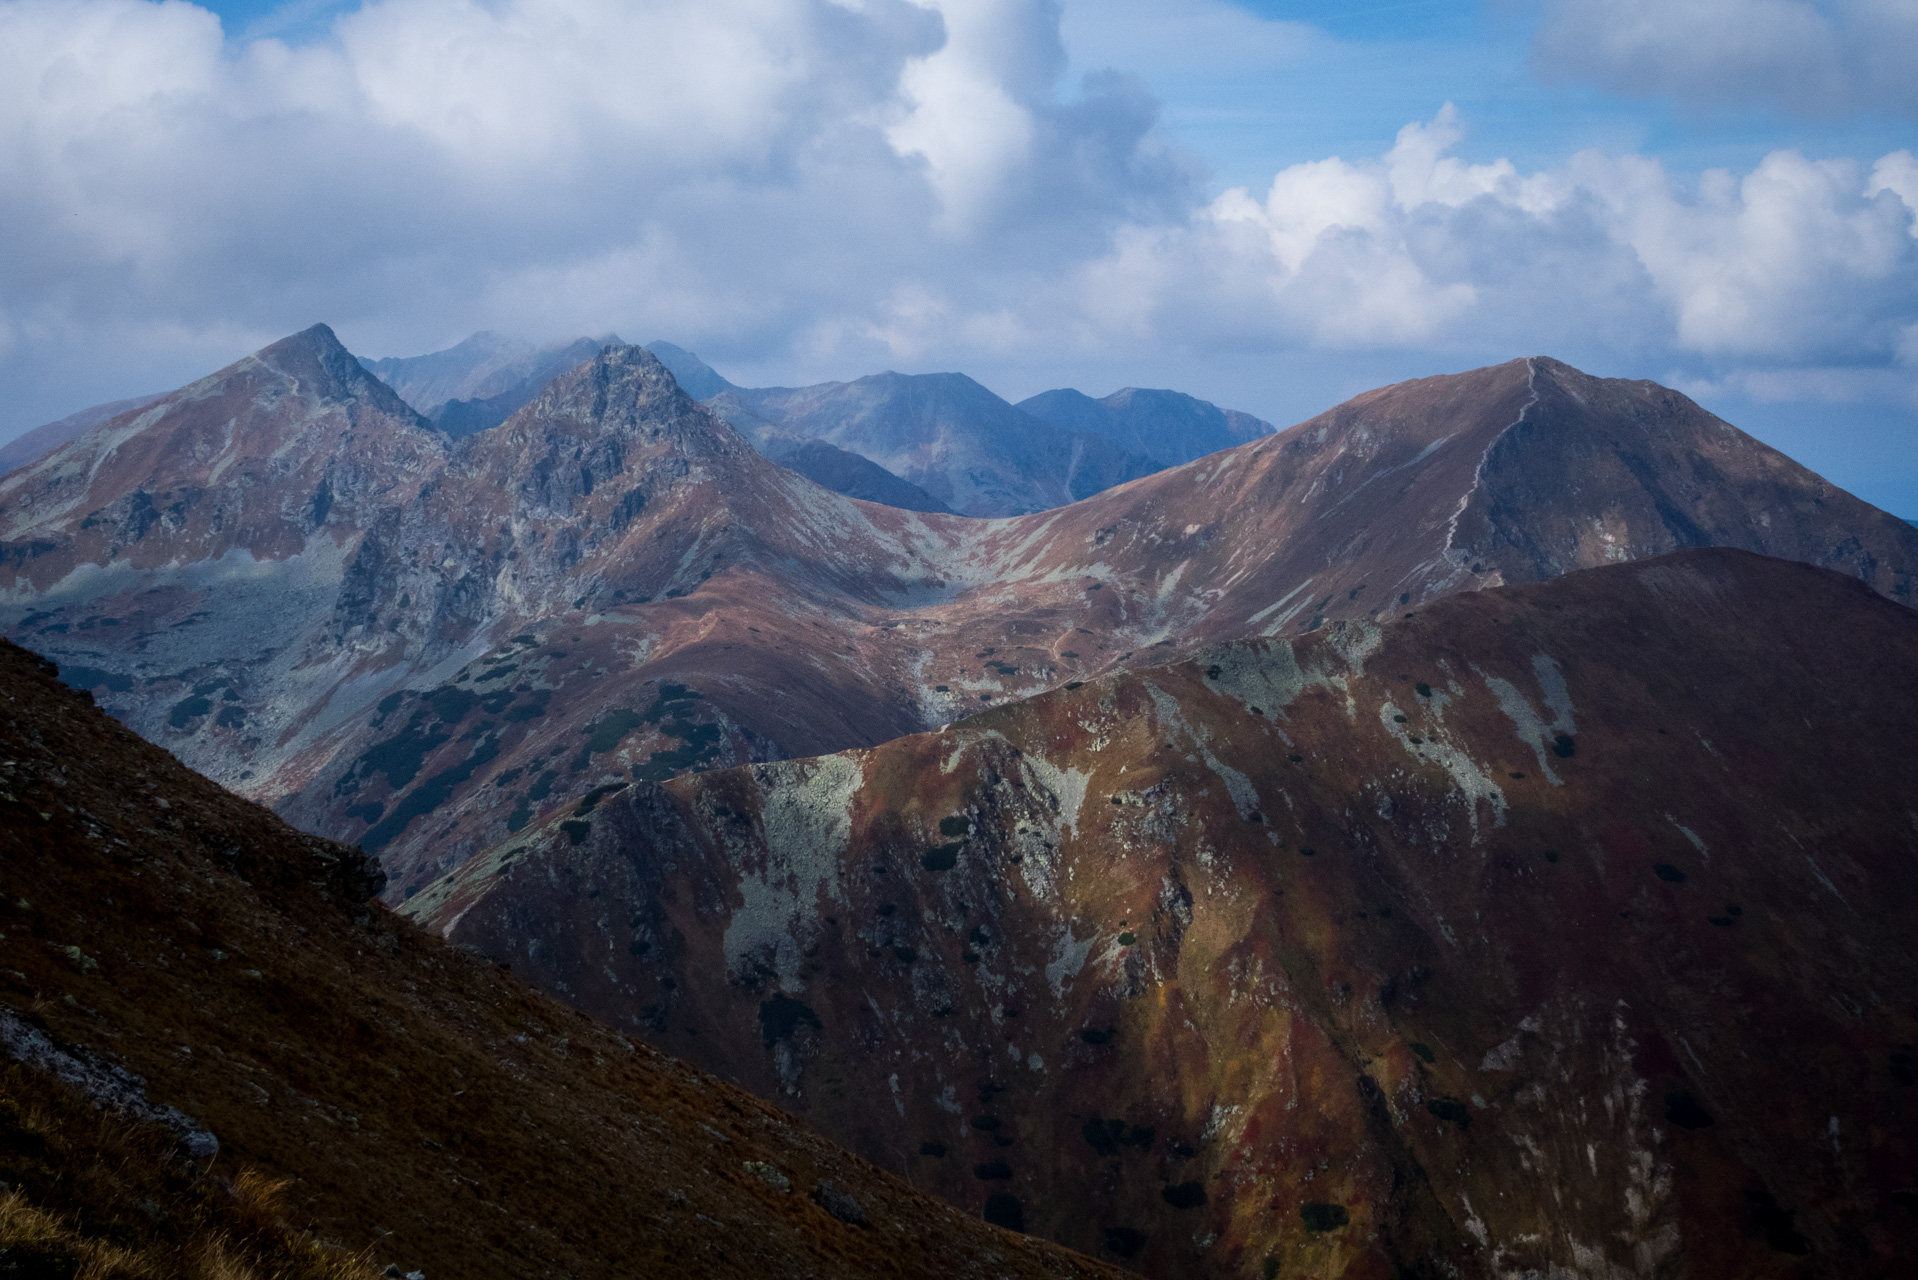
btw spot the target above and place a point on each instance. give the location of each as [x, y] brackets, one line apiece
[1068, 409]
[694, 376]
[1170, 427]
[485, 367]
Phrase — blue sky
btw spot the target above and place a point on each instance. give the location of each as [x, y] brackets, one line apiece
[1386, 64]
[1273, 205]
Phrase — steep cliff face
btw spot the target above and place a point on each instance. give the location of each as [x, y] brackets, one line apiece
[425, 645]
[213, 987]
[1563, 929]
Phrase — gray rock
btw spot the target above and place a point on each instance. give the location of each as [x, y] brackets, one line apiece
[838, 1203]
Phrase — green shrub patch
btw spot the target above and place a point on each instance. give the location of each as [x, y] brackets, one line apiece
[1319, 1216]
[1683, 1110]
[1004, 1210]
[1184, 1195]
[428, 796]
[782, 1015]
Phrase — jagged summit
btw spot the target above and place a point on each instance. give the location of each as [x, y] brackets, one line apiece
[256, 456]
[325, 369]
[624, 390]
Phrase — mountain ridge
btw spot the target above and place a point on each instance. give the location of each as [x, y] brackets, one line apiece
[419, 667]
[32, 445]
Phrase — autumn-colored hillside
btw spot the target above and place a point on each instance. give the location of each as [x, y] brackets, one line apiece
[1564, 929]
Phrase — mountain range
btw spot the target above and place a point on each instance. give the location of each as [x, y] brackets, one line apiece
[495, 662]
[411, 632]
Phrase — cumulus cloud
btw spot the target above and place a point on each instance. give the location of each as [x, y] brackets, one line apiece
[1821, 57]
[1798, 262]
[833, 186]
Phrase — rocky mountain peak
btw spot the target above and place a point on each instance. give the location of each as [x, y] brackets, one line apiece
[624, 391]
[323, 369]
[255, 457]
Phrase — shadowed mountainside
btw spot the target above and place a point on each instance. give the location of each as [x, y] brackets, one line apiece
[429, 1109]
[831, 467]
[1562, 929]
[487, 408]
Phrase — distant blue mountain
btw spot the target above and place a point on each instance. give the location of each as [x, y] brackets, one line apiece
[1169, 427]
[694, 376]
[483, 381]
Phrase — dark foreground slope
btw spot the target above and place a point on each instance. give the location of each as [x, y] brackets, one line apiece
[431, 1110]
[1561, 930]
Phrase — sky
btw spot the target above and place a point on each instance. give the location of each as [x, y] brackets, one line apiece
[1270, 204]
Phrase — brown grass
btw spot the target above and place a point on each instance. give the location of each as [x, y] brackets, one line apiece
[99, 1196]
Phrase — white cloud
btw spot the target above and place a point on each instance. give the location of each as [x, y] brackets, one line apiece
[971, 117]
[833, 185]
[1798, 261]
[1814, 56]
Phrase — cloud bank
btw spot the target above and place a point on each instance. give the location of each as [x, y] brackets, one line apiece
[1823, 57]
[1798, 262]
[830, 186]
